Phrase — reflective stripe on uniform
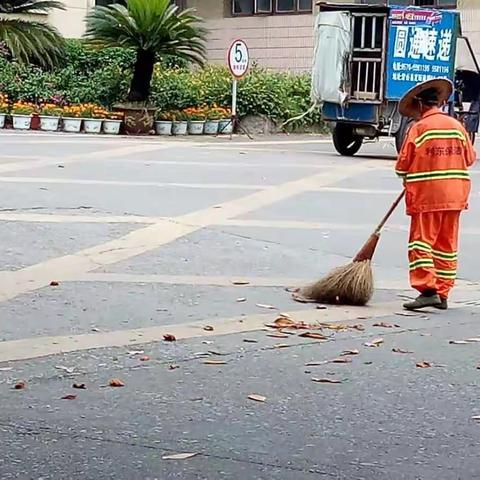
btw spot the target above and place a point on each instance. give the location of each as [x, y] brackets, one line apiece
[418, 245]
[449, 256]
[422, 263]
[437, 175]
[439, 135]
[401, 173]
[449, 274]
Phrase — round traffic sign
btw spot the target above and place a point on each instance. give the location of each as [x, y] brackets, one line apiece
[238, 58]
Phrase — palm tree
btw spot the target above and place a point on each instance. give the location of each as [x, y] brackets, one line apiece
[27, 39]
[151, 28]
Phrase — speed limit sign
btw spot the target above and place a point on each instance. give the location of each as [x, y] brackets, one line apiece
[238, 58]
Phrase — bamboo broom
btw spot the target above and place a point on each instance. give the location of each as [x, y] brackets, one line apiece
[350, 284]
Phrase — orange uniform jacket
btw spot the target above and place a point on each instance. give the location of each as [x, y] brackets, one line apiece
[434, 163]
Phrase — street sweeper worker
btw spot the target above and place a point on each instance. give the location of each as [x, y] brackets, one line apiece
[433, 163]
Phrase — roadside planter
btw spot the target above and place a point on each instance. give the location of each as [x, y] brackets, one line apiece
[3, 108]
[163, 127]
[179, 127]
[71, 124]
[111, 126]
[211, 127]
[2, 119]
[49, 124]
[195, 127]
[21, 122]
[92, 125]
[225, 127]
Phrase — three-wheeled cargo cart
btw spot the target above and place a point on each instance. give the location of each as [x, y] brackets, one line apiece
[368, 56]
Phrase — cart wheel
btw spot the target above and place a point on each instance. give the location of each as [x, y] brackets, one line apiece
[402, 133]
[345, 141]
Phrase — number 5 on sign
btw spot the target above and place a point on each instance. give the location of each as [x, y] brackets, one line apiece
[238, 63]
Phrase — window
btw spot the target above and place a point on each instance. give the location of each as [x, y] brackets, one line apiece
[254, 7]
[416, 3]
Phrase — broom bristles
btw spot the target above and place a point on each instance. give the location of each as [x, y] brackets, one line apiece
[350, 284]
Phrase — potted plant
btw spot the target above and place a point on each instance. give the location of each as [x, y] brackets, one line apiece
[225, 125]
[4, 108]
[72, 121]
[213, 119]
[22, 115]
[163, 123]
[196, 120]
[50, 117]
[112, 123]
[151, 29]
[93, 116]
[180, 122]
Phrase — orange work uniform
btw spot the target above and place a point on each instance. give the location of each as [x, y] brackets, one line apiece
[434, 163]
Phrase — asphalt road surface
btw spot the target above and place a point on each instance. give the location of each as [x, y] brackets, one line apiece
[109, 244]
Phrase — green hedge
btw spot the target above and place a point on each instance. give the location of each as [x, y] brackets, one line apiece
[103, 76]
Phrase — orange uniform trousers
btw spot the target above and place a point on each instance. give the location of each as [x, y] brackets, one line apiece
[432, 251]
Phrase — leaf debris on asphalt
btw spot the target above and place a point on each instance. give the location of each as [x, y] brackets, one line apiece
[69, 397]
[241, 299]
[314, 335]
[115, 382]
[208, 328]
[374, 343]
[385, 325]
[168, 337]
[264, 305]
[341, 360]
[240, 282]
[54, 283]
[20, 385]
[79, 386]
[400, 350]
[214, 362]
[145, 358]
[464, 342]
[277, 335]
[257, 398]
[250, 340]
[326, 380]
[424, 365]
[350, 352]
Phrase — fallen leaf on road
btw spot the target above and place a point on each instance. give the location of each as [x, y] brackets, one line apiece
[168, 337]
[20, 385]
[6, 369]
[350, 352]
[257, 398]
[285, 322]
[264, 305]
[54, 283]
[208, 328]
[334, 326]
[341, 360]
[424, 365]
[458, 342]
[214, 362]
[383, 325]
[374, 343]
[94, 329]
[80, 386]
[316, 364]
[281, 345]
[316, 336]
[326, 380]
[179, 456]
[473, 340]
[277, 335]
[173, 367]
[240, 282]
[241, 299]
[400, 350]
[65, 369]
[136, 352]
[407, 314]
[69, 397]
[476, 417]
[358, 327]
[250, 340]
[145, 358]
[116, 382]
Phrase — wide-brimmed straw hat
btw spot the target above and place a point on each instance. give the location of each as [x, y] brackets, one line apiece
[409, 103]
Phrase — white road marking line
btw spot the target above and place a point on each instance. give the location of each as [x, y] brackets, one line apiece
[54, 218]
[152, 237]
[44, 346]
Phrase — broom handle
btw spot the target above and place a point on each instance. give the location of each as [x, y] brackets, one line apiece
[389, 213]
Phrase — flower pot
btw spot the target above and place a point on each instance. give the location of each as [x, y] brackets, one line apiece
[211, 127]
[92, 125]
[179, 128]
[195, 127]
[49, 124]
[138, 119]
[163, 127]
[21, 122]
[2, 119]
[72, 125]
[225, 126]
[112, 127]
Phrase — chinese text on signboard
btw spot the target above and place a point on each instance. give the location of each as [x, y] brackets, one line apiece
[421, 47]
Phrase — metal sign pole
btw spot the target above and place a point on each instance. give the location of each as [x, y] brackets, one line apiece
[234, 106]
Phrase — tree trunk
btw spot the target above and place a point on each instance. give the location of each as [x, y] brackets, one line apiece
[142, 76]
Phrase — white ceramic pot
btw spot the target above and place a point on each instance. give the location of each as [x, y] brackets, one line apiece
[163, 127]
[49, 124]
[211, 127]
[92, 125]
[2, 119]
[72, 125]
[225, 126]
[112, 127]
[21, 122]
[179, 128]
[195, 127]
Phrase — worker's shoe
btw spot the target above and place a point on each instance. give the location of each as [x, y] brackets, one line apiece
[443, 305]
[424, 301]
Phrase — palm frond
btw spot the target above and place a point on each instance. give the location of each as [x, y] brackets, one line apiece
[29, 6]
